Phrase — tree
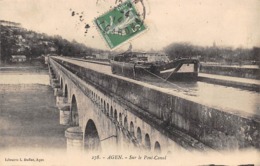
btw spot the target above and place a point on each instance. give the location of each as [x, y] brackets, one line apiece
[181, 50]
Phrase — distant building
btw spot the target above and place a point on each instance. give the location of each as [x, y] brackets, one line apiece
[100, 56]
[90, 57]
[153, 57]
[18, 58]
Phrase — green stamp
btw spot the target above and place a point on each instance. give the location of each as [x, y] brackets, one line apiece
[120, 24]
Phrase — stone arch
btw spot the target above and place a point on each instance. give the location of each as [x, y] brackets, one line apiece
[132, 129]
[61, 83]
[66, 91]
[157, 147]
[111, 112]
[107, 112]
[115, 115]
[125, 123]
[91, 137]
[139, 135]
[147, 142]
[104, 106]
[74, 116]
[120, 118]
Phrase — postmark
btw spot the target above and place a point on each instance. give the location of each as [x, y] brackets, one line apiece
[120, 24]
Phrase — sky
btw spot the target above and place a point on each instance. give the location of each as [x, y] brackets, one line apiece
[232, 23]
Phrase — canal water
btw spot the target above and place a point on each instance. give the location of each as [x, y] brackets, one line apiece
[224, 98]
[28, 116]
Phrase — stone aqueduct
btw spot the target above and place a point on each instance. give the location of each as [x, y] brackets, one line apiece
[105, 112]
[100, 121]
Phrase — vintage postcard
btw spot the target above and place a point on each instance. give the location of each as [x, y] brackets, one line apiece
[129, 82]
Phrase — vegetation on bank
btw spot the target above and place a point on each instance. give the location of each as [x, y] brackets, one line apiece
[221, 55]
[15, 40]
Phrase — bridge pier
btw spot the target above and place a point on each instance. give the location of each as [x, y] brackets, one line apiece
[74, 137]
[54, 82]
[59, 95]
[51, 74]
[64, 107]
[65, 114]
[55, 85]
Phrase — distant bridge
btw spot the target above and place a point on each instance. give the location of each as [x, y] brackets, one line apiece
[105, 111]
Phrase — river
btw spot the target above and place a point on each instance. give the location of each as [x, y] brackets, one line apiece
[29, 118]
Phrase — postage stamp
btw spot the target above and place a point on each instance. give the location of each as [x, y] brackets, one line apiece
[120, 24]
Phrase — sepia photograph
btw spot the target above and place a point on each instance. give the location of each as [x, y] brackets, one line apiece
[129, 82]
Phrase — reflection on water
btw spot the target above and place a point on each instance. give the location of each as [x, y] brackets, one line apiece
[227, 98]
[24, 78]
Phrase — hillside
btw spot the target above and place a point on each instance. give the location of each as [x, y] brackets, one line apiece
[15, 40]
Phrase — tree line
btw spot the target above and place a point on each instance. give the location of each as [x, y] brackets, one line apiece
[17, 40]
[224, 55]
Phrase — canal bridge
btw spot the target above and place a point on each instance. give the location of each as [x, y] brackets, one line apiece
[106, 112]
